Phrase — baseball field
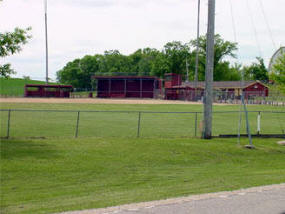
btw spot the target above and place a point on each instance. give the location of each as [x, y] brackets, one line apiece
[45, 169]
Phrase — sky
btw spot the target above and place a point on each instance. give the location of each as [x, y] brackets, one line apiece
[86, 27]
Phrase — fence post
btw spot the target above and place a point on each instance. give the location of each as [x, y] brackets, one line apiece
[139, 125]
[8, 124]
[77, 124]
[258, 123]
[196, 123]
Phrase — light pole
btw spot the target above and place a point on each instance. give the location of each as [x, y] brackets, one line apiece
[46, 40]
[197, 52]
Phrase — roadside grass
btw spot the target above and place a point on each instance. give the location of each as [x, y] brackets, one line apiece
[113, 124]
[55, 175]
[15, 86]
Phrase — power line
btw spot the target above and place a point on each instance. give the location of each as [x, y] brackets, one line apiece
[242, 104]
[241, 83]
[267, 23]
[254, 28]
[233, 21]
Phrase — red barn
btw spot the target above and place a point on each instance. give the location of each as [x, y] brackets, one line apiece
[33, 90]
[127, 86]
[228, 89]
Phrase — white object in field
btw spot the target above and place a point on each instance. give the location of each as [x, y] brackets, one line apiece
[258, 123]
[282, 143]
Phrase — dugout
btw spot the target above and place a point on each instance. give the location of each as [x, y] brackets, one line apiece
[127, 86]
[34, 90]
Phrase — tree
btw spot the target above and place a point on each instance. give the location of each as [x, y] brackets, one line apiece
[11, 43]
[176, 53]
[256, 71]
[150, 61]
[222, 49]
[6, 70]
[160, 66]
[279, 72]
[78, 72]
[114, 62]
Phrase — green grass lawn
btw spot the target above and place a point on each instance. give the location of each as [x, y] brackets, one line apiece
[106, 124]
[54, 175]
[107, 165]
[15, 86]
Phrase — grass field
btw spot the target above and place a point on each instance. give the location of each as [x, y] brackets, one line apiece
[106, 124]
[45, 176]
[15, 86]
[107, 165]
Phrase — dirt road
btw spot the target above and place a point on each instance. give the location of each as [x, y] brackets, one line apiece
[95, 101]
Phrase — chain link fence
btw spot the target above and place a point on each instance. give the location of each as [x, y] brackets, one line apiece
[60, 123]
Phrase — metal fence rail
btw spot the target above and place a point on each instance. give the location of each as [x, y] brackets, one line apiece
[71, 123]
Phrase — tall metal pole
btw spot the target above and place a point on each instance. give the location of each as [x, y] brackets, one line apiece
[197, 52]
[187, 71]
[46, 38]
[208, 101]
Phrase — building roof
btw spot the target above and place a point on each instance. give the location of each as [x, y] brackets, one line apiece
[220, 84]
[124, 77]
[48, 86]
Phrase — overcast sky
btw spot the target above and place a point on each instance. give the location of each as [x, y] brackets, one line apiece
[80, 27]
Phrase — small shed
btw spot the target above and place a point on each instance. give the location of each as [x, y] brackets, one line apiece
[127, 86]
[37, 90]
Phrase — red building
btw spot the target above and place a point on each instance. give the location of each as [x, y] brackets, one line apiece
[33, 90]
[127, 86]
[175, 90]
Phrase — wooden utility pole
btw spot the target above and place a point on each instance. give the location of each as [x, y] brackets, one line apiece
[46, 38]
[208, 94]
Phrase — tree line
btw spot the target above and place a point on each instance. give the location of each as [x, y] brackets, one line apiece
[171, 59]
[149, 61]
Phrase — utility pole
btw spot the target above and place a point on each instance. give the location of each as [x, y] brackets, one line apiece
[197, 52]
[208, 101]
[46, 38]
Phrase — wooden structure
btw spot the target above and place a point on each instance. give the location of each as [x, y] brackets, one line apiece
[223, 89]
[36, 90]
[127, 86]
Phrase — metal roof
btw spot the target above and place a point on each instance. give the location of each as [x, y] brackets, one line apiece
[124, 77]
[48, 86]
[220, 84]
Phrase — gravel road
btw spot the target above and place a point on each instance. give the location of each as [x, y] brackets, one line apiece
[257, 200]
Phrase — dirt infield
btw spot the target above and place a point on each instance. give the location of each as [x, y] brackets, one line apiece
[96, 101]
[92, 101]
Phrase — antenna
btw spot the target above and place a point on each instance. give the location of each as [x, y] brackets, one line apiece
[46, 40]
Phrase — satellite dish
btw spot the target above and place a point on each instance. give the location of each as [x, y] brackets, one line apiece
[274, 58]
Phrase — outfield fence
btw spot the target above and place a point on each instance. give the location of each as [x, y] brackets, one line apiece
[62, 123]
[251, 98]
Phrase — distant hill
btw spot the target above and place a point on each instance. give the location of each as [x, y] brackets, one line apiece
[15, 86]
